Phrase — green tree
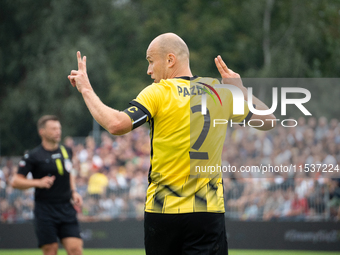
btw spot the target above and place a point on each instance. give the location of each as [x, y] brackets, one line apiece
[257, 38]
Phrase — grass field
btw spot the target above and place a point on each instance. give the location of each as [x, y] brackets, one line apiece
[141, 252]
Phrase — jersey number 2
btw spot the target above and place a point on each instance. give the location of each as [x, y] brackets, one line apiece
[203, 135]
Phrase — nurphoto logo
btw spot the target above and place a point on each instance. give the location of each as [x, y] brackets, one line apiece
[238, 103]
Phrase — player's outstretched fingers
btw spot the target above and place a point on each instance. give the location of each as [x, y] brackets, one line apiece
[222, 67]
[84, 64]
[223, 64]
[81, 62]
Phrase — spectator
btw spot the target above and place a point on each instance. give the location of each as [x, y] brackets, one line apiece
[321, 129]
[97, 184]
[299, 208]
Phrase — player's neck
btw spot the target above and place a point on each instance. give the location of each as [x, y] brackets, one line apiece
[180, 72]
[49, 146]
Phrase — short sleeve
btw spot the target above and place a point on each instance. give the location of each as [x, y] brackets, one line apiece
[149, 98]
[246, 116]
[25, 164]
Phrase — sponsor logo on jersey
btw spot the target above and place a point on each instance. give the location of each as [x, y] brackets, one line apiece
[57, 155]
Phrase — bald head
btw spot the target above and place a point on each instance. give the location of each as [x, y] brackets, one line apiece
[171, 43]
[168, 57]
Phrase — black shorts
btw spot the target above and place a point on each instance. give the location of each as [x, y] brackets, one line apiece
[53, 221]
[186, 234]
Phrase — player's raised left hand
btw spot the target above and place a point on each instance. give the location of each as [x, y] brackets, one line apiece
[228, 75]
[79, 78]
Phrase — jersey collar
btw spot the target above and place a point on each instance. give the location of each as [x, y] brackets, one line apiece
[187, 78]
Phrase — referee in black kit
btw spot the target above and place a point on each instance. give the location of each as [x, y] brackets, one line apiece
[50, 164]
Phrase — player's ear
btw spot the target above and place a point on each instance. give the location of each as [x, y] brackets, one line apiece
[171, 59]
[40, 132]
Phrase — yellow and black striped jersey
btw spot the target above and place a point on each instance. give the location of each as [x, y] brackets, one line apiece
[184, 143]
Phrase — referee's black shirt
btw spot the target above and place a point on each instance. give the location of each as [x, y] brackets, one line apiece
[41, 163]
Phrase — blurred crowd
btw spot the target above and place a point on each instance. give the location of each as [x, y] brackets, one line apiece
[112, 175]
[309, 190]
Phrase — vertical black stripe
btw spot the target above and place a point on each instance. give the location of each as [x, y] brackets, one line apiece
[151, 145]
[152, 134]
[201, 199]
[159, 202]
[159, 197]
[149, 174]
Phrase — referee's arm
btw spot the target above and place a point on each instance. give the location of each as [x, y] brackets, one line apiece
[20, 181]
[76, 197]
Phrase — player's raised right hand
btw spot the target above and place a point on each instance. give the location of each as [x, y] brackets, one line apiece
[79, 78]
[46, 182]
